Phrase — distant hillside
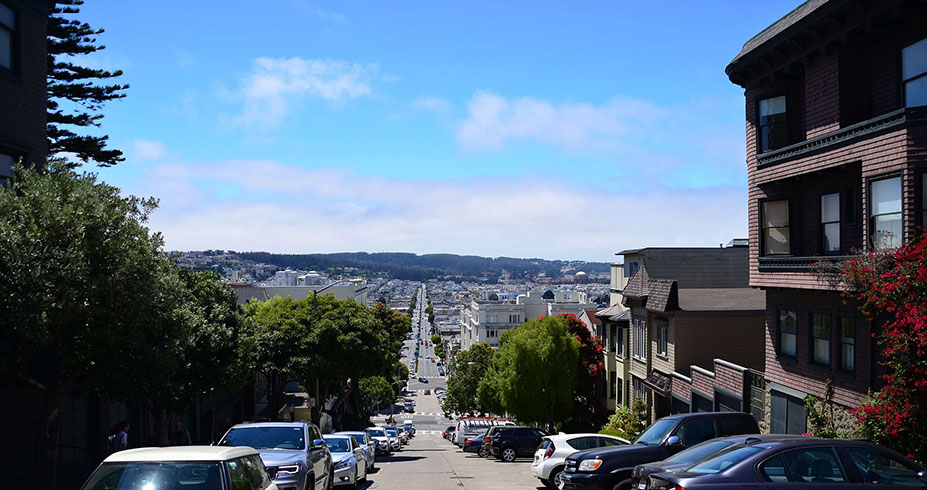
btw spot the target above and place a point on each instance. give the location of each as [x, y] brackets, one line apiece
[414, 267]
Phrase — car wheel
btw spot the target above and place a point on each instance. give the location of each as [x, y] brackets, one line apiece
[623, 485]
[483, 452]
[310, 483]
[509, 454]
[556, 478]
[331, 479]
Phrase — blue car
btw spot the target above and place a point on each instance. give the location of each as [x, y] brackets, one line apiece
[802, 462]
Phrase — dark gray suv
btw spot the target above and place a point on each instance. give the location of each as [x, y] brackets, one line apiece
[293, 452]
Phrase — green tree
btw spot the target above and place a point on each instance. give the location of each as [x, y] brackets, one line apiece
[469, 368]
[75, 93]
[89, 300]
[396, 324]
[533, 374]
[436, 339]
[376, 391]
[627, 422]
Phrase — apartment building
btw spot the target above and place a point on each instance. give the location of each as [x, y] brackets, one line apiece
[687, 307]
[23, 65]
[835, 96]
[485, 320]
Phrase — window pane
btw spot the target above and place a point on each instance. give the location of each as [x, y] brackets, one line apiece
[886, 196]
[788, 320]
[915, 92]
[881, 467]
[774, 470]
[787, 346]
[819, 465]
[775, 213]
[822, 351]
[6, 48]
[887, 231]
[7, 17]
[6, 166]
[830, 208]
[832, 237]
[773, 105]
[776, 241]
[914, 59]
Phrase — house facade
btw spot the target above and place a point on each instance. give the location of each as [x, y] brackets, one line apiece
[681, 302]
[836, 139]
[23, 67]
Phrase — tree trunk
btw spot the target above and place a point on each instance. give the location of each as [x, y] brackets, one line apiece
[48, 441]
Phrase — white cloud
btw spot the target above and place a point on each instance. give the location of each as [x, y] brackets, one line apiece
[494, 120]
[267, 205]
[274, 85]
[146, 150]
[433, 104]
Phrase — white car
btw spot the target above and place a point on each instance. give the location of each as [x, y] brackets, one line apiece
[206, 467]
[347, 458]
[553, 451]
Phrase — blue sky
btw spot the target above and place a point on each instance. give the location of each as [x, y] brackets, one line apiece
[530, 129]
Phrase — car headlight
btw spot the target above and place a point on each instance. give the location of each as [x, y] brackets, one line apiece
[590, 465]
[342, 464]
[290, 469]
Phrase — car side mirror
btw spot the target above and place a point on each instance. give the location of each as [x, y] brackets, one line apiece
[318, 444]
[673, 441]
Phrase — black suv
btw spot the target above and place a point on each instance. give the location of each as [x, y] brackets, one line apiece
[510, 442]
[610, 468]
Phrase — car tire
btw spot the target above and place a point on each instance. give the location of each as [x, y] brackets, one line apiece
[623, 485]
[310, 482]
[331, 479]
[483, 452]
[556, 476]
[508, 454]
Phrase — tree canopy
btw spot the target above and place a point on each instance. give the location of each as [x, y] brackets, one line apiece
[469, 368]
[76, 93]
[533, 374]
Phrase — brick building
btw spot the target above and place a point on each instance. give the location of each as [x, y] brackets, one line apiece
[23, 67]
[835, 94]
[683, 302]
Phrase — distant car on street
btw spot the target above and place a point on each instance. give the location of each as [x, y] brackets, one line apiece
[349, 460]
[367, 443]
[550, 455]
[381, 438]
[423, 379]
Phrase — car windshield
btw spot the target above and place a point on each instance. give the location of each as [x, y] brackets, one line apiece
[392, 432]
[698, 452]
[338, 444]
[156, 476]
[265, 437]
[655, 433]
[724, 460]
[376, 433]
[361, 438]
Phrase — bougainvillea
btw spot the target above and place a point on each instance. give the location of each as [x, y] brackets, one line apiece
[891, 287]
[590, 352]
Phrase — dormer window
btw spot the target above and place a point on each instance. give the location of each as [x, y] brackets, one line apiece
[914, 74]
[773, 125]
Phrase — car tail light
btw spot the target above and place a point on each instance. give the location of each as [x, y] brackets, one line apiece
[680, 488]
[549, 452]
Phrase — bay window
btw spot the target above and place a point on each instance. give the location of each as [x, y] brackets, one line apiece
[773, 128]
[821, 338]
[885, 213]
[914, 73]
[830, 222]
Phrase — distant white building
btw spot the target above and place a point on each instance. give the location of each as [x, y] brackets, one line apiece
[355, 289]
[483, 321]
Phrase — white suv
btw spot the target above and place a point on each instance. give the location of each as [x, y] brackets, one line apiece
[549, 458]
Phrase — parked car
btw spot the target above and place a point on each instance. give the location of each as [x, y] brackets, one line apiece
[474, 444]
[804, 461]
[394, 440]
[408, 407]
[610, 468]
[467, 426]
[553, 451]
[510, 443]
[367, 443]
[349, 459]
[380, 436]
[409, 427]
[448, 431]
[293, 452]
[206, 467]
[423, 379]
[694, 454]
[403, 435]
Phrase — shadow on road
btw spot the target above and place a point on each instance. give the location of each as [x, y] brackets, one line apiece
[399, 459]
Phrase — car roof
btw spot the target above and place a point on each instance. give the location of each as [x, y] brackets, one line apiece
[181, 453]
[271, 424]
[336, 436]
[563, 436]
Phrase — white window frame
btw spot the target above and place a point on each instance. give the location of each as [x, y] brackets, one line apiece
[640, 339]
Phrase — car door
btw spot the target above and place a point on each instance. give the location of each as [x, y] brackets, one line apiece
[811, 468]
[531, 440]
[695, 431]
[319, 456]
[880, 469]
[359, 457]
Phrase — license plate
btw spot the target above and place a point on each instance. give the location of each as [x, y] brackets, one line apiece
[641, 485]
